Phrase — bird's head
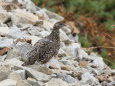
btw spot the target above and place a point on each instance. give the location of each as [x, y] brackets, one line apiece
[58, 25]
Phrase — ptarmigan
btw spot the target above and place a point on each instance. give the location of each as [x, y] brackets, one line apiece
[46, 48]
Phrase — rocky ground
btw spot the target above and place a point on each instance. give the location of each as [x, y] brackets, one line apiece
[21, 25]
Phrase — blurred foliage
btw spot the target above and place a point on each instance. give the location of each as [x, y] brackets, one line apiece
[98, 16]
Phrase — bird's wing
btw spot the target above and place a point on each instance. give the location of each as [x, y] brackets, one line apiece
[43, 43]
[44, 49]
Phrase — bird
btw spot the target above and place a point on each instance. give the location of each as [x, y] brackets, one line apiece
[45, 48]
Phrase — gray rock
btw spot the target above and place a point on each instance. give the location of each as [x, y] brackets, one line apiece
[106, 84]
[43, 33]
[66, 30]
[30, 72]
[52, 15]
[53, 63]
[61, 53]
[41, 12]
[98, 61]
[13, 53]
[66, 78]
[72, 49]
[32, 81]
[8, 82]
[3, 75]
[15, 32]
[23, 49]
[56, 82]
[28, 4]
[22, 73]
[88, 78]
[17, 77]
[66, 62]
[82, 54]
[6, 42]
[64, 37]
[5, 70]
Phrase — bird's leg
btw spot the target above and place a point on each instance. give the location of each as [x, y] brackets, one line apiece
[30, 61]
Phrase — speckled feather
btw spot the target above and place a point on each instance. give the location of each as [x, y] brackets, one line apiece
[45, 48]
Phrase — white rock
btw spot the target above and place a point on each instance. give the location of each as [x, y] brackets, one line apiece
[53, 15]
[88, 78]
[17, 77]
[28, 4]
[66, 78]
[41, 12]
[21, 16]
[4, 75]
[4, 30]
[81, 54]
[61, 53]
[22, 73]
[3, 15]
[66, 30]
[55, 62]
[8, 0]
[74, 39]
[37, 75]
[8, 82]
[13, 53]
[43, 33]
[6, 43]
[64, 37]
[15, 32]
[56, 82]
[73, 48]
[33, 82]
[99, 62]
[48, 25]
[66, 62]
[34, 39]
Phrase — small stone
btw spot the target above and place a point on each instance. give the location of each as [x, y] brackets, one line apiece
[83, 63]
[67, 67]
[4, 50]
[66, 78]
[8, 82]
[56, 82]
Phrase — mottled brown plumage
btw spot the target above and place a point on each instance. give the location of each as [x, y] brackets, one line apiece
[45, 48]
